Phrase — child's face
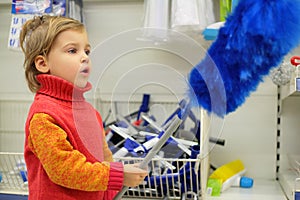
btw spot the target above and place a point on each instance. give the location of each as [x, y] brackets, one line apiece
[69, 57]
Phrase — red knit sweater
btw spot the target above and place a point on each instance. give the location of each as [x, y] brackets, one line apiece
[66, 154]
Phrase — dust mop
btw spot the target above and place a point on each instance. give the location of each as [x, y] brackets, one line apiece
[254, 39]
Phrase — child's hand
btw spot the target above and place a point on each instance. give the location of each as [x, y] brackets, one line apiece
[133, 175]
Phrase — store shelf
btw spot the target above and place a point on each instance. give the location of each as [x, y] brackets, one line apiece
[262, 189]
[291, 89]
[288, 128]
[287, 181]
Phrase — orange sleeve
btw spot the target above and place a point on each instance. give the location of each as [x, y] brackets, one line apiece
[64, 165]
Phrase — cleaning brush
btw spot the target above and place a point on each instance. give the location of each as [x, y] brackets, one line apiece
[254, 39]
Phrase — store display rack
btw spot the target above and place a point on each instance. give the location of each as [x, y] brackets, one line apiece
[289, 178]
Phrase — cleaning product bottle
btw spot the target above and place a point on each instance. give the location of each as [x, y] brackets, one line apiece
[231, 174]
[243, 182]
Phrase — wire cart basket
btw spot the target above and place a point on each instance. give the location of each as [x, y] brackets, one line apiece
[13, 174]
[180, 181]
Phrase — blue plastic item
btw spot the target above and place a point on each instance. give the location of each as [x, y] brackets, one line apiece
[246, 182]
[144, 106]
[297, 196]
[23, 174]
[210, 33]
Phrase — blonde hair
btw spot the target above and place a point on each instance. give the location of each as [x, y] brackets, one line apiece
[36, 38]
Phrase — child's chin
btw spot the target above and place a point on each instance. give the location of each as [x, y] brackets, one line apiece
[81, 84]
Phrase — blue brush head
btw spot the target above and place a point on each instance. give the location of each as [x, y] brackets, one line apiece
[254, 39]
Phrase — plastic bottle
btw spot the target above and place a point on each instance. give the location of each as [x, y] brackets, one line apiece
[237, 181]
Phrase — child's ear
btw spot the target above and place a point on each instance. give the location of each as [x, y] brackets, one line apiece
[41, 64]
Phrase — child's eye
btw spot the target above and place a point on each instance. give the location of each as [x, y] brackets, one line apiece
[72, 51]
[87, 52]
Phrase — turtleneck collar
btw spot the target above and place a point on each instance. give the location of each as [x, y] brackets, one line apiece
[61, 89]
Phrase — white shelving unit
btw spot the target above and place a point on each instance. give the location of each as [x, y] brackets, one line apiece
[288, 153]
[262, 189]
[288, 133]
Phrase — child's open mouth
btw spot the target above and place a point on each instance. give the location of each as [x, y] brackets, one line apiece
[85, 70]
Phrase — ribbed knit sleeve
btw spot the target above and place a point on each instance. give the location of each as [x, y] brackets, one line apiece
[66, 166]
[116, 171]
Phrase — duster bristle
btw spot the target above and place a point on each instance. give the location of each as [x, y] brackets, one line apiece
[254, 39]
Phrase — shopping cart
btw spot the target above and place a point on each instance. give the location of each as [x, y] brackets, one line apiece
[169, 178]
[13, 174]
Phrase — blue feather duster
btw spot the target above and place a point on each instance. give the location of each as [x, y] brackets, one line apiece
[254, 39]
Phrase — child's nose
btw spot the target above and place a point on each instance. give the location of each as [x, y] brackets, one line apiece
[85, 59]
